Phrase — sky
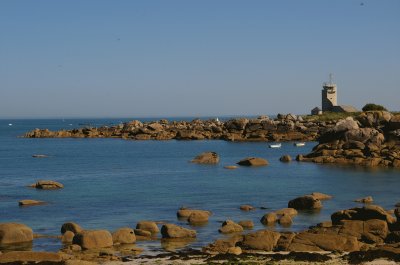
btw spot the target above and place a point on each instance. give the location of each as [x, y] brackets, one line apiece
[166, 58]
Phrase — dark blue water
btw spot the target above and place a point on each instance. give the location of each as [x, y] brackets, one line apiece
[112, 183]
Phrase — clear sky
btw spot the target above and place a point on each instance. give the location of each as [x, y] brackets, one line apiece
[123, 58]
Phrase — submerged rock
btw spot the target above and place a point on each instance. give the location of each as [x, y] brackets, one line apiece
[285, 158]
[30, 202]
[229, 227]
[368, 199]
[47, 185]
[253, 161]
[148, 226]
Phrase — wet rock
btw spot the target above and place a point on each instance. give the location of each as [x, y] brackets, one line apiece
[246, 224]
[185, 212]
[71, 226]
[22, 257]
[198, 217]
[67, 237]
[306, 202]
[368, 199]
[206, 158]
[124, 235]
[148, 226]
[247, 207]
[143, 233]
[370, 231]
[47, 185]
[261, 240]
[362, 213]
[12, 233]
[285, 220]
[397, 213]
[321, 196]
[269, 219]
[30, 202]
[253, 161]
[222, 246]
[284, 241]
[286, 211]
[234, 250]
[306, 241]
[285, 158]
[229, 227]
[93, 239]
[174, 231]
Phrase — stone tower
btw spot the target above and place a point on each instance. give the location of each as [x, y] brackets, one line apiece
[329, 95]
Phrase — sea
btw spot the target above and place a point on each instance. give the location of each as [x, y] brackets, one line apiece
[114, 183]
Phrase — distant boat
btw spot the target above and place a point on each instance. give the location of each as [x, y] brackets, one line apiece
[299, 144]
[10, 124]
[275, 145]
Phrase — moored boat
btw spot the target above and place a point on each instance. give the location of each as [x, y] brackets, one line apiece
[299, 144]
[275, 145]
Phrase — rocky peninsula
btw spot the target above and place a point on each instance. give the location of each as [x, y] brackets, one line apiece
[284, 128]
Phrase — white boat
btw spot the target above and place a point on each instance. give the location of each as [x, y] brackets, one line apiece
[299, 144]
[10, 124]
[275, 145]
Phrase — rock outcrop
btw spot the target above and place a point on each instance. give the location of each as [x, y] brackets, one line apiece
[47, 185]
[306, 202]
[372, 139]
[148, 226]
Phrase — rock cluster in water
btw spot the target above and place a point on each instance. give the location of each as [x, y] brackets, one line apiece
[284, 128]
[372, 139]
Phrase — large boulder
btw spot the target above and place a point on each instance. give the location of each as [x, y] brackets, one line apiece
[261, 240]
[285, 158]
[67, 237]
[148, 226]
[124, 235]
[206, 158]
[374, 118]
[222, 246]
[229, 227]
[286, 211]
[253, 161]
[185, 212]
[362, 213]
[93, 239]
[198, 217]
[306, 241]
[12, 233]
[175, 231]
[269, 219]
[321, 196]
[71, 226]
[370, 231]
[307, 202]
[246, 224]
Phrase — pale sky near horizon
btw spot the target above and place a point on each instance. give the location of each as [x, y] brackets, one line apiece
[123, 58]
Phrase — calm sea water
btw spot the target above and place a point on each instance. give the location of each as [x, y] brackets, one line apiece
[112, 183]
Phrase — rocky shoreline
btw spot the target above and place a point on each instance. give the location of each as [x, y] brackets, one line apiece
[284, 128]
[351, 236]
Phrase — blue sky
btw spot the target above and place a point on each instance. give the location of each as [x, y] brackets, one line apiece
[194, 58]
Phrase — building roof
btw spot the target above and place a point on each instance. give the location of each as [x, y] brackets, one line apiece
[344, 108]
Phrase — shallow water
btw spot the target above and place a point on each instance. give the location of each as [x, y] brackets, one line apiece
[112, 183]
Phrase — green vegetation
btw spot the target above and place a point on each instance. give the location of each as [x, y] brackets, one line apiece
[372, 106]
[331, 116]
